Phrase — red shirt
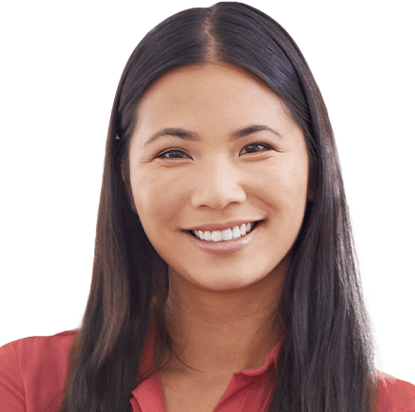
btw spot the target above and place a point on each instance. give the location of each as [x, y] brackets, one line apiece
[33, 372]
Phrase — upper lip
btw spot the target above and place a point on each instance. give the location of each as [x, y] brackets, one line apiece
[222, 226]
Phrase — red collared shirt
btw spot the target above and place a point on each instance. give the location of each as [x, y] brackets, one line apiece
[33, 372]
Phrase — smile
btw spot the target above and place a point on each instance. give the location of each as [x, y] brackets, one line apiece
[225, 246]
[228, 234]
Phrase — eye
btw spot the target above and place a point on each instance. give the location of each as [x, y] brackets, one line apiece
[263, 145]
[164, 155]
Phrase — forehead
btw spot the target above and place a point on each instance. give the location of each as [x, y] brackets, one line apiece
[219, 83]
[206, 74]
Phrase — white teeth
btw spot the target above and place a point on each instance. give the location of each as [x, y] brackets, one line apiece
[228, 234]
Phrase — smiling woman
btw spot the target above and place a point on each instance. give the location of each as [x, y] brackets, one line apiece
[224, 275]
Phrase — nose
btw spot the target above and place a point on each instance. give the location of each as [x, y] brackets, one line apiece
[218, 184]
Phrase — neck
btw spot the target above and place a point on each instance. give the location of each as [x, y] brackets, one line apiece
[222, 332]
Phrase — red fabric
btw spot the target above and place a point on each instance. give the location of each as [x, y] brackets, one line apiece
[33, 371]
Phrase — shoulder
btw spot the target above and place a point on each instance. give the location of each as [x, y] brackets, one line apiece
[37, 355]
[394, 394]
[33, 371]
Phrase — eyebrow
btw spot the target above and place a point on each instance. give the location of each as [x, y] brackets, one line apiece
[193, 136]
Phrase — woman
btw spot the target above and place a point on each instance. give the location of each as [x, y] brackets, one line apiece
[224, 276]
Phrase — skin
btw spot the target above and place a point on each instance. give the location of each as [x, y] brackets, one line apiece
[221, 308]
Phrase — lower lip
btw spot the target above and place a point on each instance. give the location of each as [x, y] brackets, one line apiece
[227, 246]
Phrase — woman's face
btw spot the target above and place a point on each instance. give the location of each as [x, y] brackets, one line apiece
[215, 172]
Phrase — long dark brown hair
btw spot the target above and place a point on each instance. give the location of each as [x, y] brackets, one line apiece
[326, 361]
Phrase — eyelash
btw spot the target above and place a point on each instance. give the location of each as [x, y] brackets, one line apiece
[266, 146]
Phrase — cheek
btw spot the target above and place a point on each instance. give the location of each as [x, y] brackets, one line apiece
[285, 184]
[156, 198]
